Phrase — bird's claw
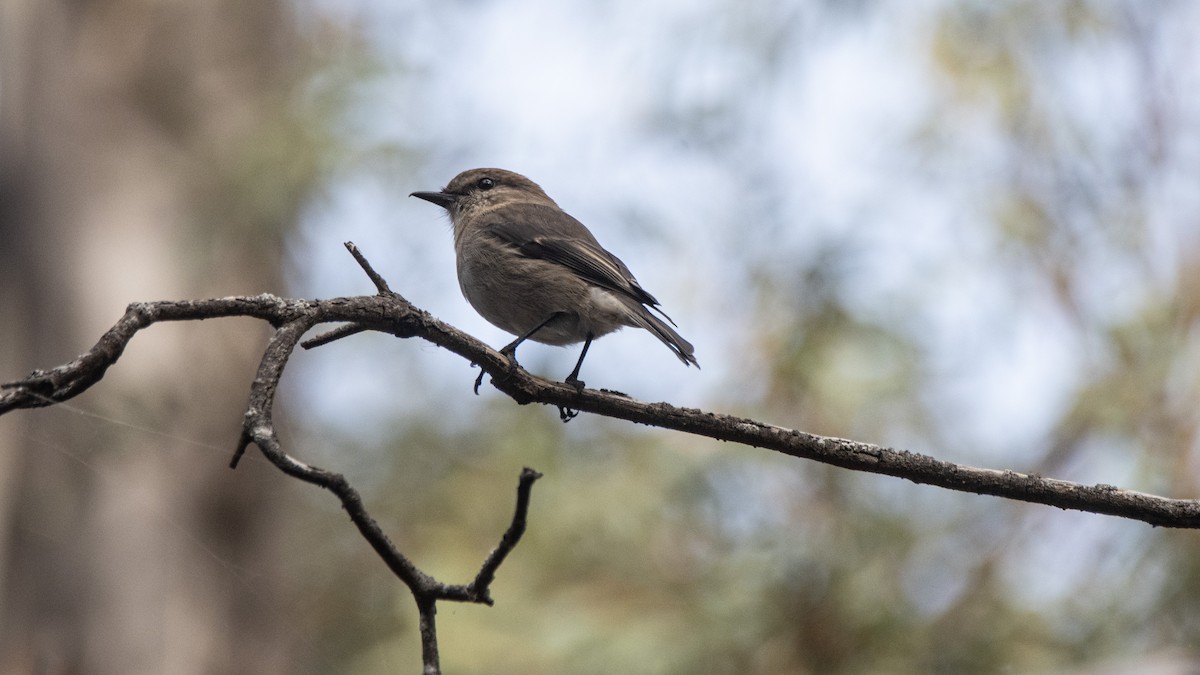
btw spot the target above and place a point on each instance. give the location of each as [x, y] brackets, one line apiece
[512, 367]
[567, 414]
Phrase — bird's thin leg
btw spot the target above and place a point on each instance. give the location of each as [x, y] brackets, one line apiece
[567, 414]
[510, 349]
[573, 378]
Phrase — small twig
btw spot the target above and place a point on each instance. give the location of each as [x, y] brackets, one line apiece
[336, 334]
[487, 573]
[340, 332]
[380, 284]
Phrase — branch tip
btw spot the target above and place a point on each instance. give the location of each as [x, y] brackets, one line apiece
[243, 443]
[380, 284]
[479, 588]
[338, 333]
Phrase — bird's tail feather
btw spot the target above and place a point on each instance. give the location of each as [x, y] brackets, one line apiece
[681, 347]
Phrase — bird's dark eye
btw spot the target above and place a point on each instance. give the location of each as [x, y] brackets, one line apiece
[485, 184]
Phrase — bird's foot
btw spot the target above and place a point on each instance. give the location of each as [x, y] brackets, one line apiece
[567, 414]
[509, 352]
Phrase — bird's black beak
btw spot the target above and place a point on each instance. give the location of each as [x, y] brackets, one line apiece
[442, 199]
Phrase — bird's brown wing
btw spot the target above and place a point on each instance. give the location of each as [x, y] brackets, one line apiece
[547, 233]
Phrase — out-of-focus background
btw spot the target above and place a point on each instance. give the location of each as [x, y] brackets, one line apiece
[970, 229]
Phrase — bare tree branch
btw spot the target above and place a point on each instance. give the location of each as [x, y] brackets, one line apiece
[292, 319]
[259, 429]
[390, 313]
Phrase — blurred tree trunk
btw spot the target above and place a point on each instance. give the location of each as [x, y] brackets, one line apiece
[119, 122]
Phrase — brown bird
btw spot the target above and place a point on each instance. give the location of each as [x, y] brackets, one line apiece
[531, 269]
